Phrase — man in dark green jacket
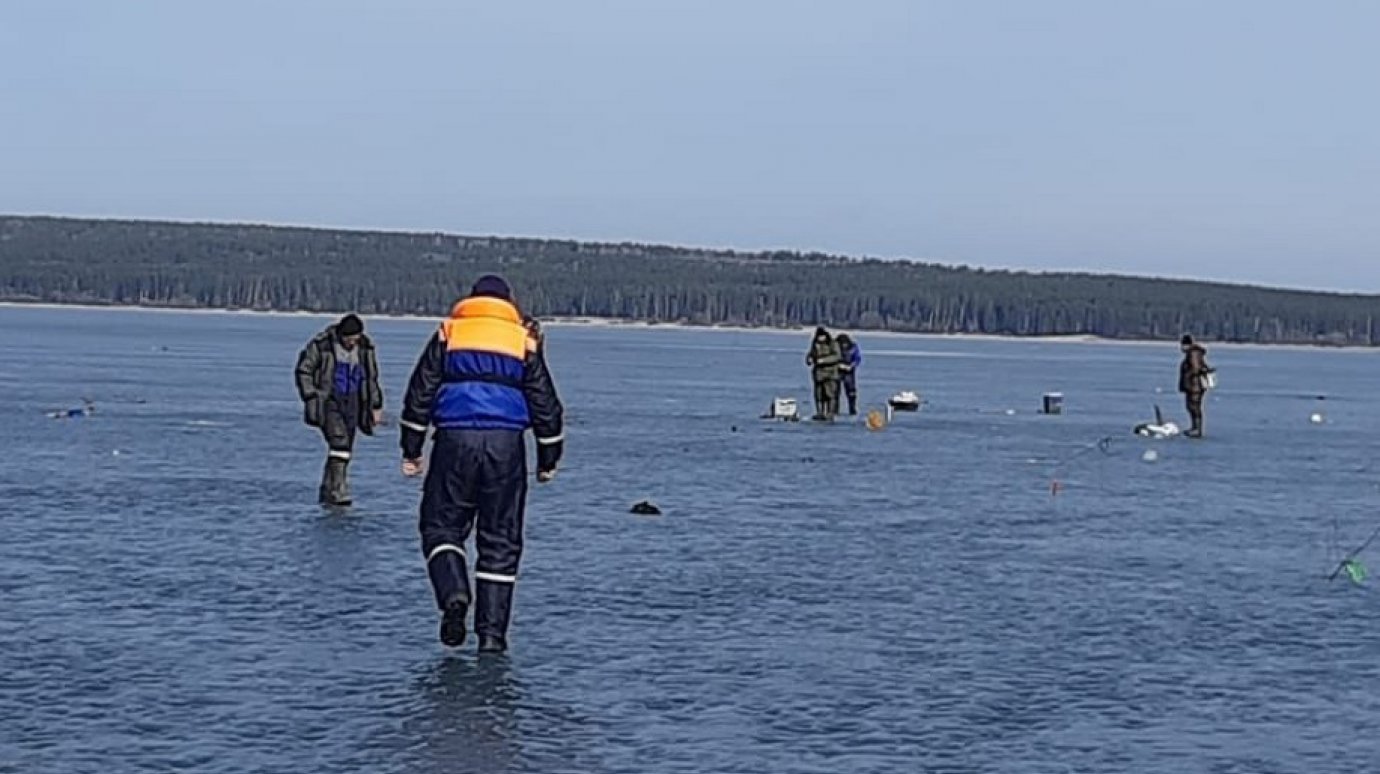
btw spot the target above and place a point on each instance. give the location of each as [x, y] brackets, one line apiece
[1193, 382]
[824, 360]
[338, 382]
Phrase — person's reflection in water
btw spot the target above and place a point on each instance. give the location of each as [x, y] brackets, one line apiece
[467, 721]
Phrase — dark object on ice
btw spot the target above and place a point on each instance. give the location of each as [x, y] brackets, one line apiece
[1157, 429]
[88, 408]
[646, 508]
[784, 409]
[905, 401]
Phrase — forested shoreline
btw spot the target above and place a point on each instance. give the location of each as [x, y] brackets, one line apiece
[274, 268]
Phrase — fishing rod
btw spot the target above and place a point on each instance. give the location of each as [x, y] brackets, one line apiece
[1061, 465]
[1349, 564]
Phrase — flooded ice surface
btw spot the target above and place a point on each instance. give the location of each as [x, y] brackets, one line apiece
[815, 599]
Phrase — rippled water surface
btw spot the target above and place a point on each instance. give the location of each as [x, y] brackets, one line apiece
[815, 599]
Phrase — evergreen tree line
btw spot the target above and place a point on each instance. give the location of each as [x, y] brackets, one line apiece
[63, 260]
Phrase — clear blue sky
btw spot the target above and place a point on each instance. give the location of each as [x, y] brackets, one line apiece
[1219, 139]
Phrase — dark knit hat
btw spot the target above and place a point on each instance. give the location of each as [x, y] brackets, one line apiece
[350, 325]
[1187, 340]
[493, 286]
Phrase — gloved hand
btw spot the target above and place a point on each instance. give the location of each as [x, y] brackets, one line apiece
[548, 459]
[534, 330]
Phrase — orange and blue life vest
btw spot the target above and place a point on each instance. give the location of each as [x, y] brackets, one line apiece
[486, 351]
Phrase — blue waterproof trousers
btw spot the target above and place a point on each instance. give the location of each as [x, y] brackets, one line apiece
[476, 481]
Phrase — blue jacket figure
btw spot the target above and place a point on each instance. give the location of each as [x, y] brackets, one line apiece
[481, 382]
[852, 358]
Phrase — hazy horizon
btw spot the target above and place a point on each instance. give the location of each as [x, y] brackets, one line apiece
[1229, 142]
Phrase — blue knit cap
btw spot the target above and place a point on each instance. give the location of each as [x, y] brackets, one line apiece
[493, 286]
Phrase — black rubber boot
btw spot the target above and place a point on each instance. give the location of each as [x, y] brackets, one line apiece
[492, 612]
[492, 644]
[342, 481]
[453, 625]
[323, 492]
[335, 484]
[1197, 430]
[1195, 413]
[821, 403]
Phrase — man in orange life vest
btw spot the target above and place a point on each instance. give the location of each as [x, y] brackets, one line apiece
[481, 382]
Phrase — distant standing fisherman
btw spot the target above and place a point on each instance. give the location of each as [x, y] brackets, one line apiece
[481, 382]
[338, 382]
[1193, 382]
[851, 357]
[824, 359]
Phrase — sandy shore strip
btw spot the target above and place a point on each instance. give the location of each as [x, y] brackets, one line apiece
[616, 323]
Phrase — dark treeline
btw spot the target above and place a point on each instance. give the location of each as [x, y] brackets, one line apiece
[271, 268]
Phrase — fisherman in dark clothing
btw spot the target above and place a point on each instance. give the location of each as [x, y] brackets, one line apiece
[824, 360]
[338, 382]
[851, 357]
[481, 382]
[1193, 382]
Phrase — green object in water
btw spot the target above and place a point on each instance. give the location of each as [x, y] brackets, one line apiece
[1354, 570]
